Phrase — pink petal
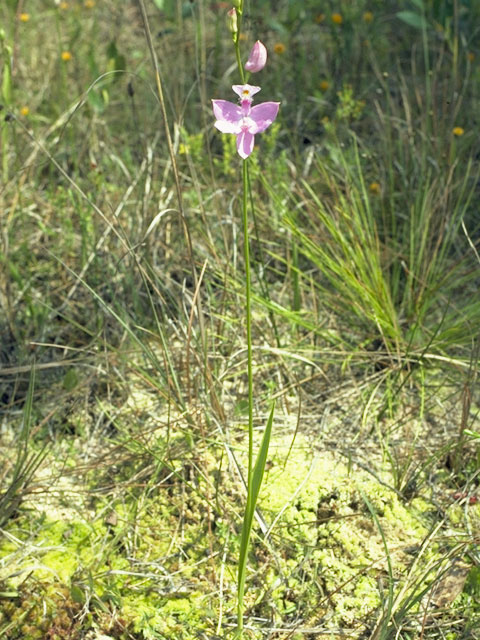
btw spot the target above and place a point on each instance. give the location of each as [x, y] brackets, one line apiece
[257, 58]
[245, 91]
[263, 115]
[245, 142]
[228, 116]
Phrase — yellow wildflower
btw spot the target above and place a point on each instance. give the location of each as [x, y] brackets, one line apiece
[368, 16]
[337, 18]
[24, 17]
[470, 56]
[63, 5]
[89, 4]
[242, 37]
[458, 131]
[279, 48]
[24, 111]
[66, 56]
[319, 18]
[374, 187]
[324, 85]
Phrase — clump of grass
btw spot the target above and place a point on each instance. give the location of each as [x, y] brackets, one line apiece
[18, 475]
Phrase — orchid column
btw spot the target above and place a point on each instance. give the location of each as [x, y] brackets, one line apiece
[245, 121]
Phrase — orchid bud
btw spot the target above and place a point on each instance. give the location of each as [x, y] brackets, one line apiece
[257, 58]
[232, 21]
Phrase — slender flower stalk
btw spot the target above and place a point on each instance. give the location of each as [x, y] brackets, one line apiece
[245, 121]
[246, 254]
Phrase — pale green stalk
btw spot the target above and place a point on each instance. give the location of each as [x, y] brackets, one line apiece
[246, 530]
[6, 93]
[246, 252]
[255, 473]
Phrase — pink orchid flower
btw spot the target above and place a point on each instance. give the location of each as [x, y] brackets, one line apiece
[243, 120]
[257, 58]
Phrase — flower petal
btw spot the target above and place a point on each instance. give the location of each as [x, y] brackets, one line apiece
[245, 142]
[245, 91]
[263, 115]
[228, 116]
[257, 58]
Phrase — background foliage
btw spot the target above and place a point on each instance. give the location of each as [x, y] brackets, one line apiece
[123, 400]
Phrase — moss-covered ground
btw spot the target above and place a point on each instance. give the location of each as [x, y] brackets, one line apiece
[137, 536]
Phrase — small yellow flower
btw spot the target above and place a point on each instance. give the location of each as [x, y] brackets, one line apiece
[24, 111]
[279, 48]
[66, 56]
[24, 17]
[470, 56]
[324, 85]
[458, 131]
[89, 4]
[337, 18]
[374, 187]
[319, 18]
[368, 16]
[63, 5]
[242, 36]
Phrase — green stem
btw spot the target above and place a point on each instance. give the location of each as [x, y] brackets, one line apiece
[236, 42]
[248, 508]
[261, 275]
[239, 60]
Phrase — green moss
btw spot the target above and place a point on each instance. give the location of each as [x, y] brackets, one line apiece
[456, 514]
[322, 557]
[322, 510]
[154, 616]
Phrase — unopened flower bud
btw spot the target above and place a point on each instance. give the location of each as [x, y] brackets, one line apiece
[257, 58]
[232, 21]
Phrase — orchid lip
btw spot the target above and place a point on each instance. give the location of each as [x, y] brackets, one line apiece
[247, 123]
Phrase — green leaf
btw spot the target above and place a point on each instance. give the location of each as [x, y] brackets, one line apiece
[241, 407]
[254, 489]
[77, 594]
[96, 100]
[259, 468]
[112, 51]
[7, 83]
[187, 9]
[419, 4]
[472, 434]
[168, 7]
[413, 19]
[277, 26]
[92, 63]
[70, 380]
